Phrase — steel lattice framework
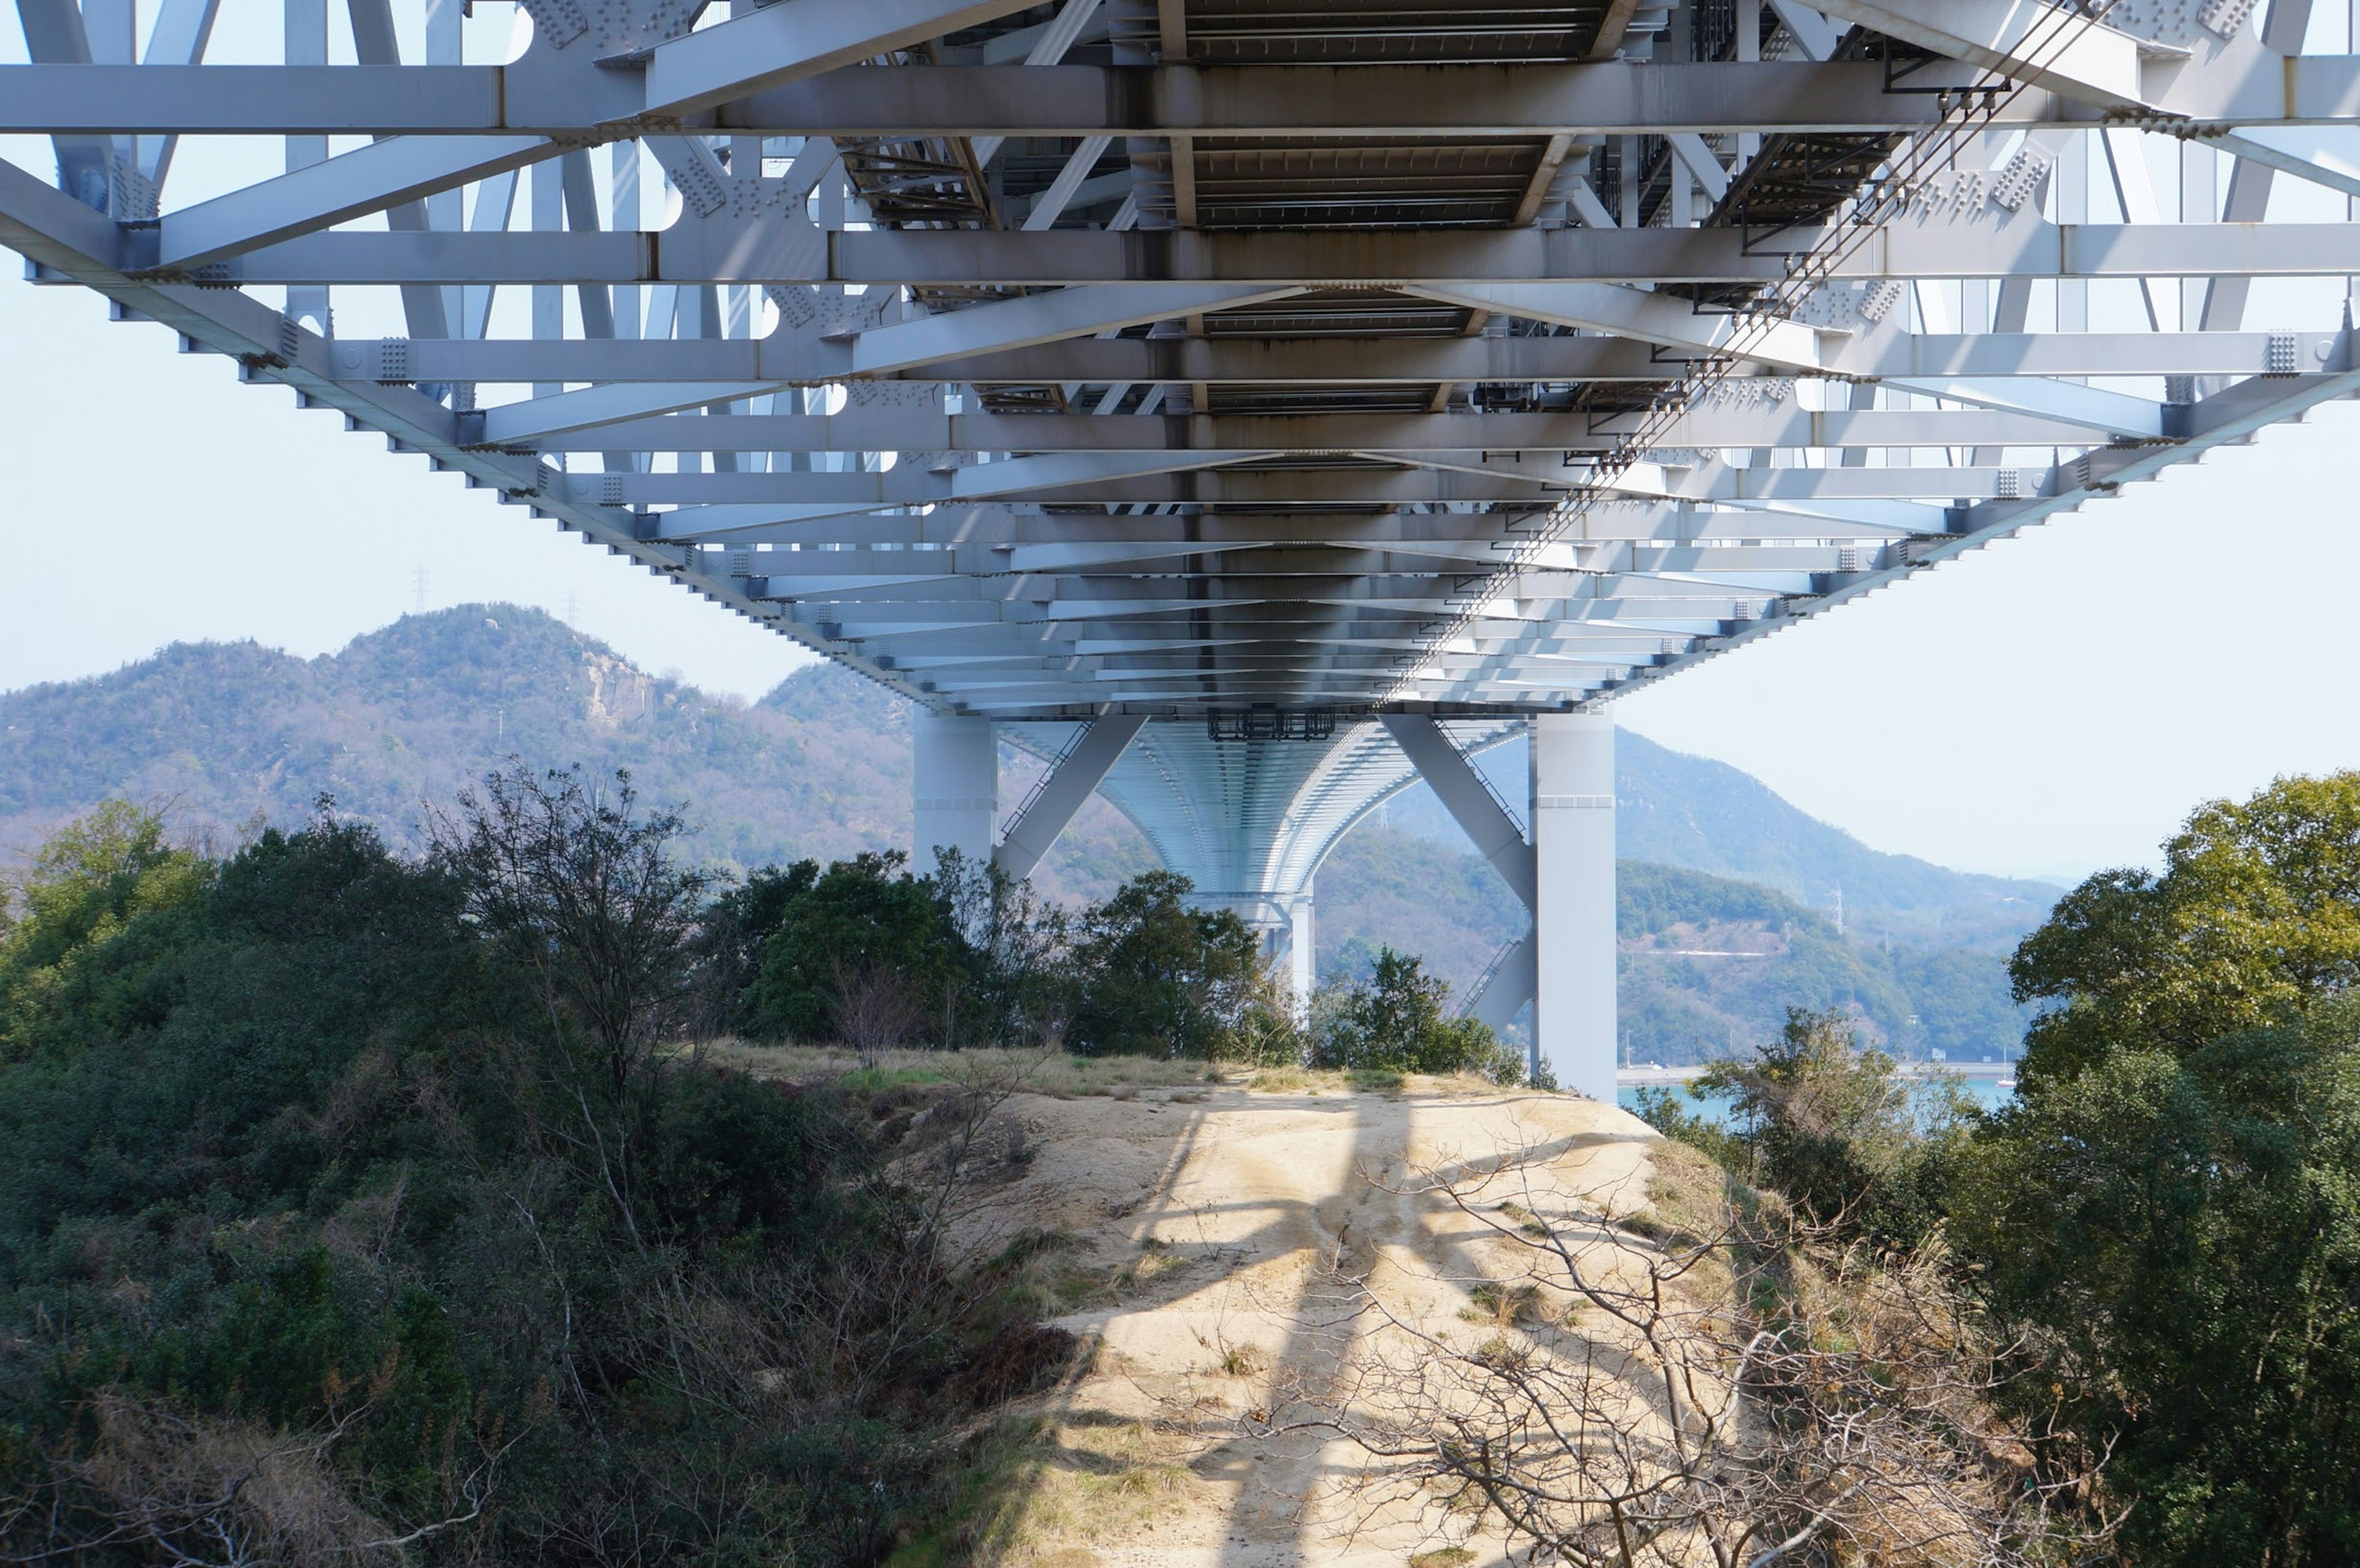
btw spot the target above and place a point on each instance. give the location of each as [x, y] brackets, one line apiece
[1044, 361]
[1256, 368]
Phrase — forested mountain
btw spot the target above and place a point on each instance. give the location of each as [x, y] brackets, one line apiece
[222, 734]
[227, 735]
[1677, 809]
[1709, 963]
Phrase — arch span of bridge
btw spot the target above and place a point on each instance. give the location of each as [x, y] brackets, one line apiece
[1247, 407]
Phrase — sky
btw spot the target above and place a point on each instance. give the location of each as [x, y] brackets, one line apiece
[151, 497]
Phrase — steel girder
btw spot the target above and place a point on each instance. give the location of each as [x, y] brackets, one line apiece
[1249, 824]
[234, 241]
[1199, 374]
[1659, 97]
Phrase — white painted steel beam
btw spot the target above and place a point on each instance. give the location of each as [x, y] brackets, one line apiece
[1510, 445]
[1558, 275]
[568, 97]
[367, 179]
[1043, 318]
[1061, 471]
[1068, 785]
[2021, 41]
[1240, 361]
[1497, 836]
[780, 44]
[1510, 984]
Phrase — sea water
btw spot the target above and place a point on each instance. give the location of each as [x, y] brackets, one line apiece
[1985, 1092]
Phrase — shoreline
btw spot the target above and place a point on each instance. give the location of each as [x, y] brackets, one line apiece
[1653, 1076]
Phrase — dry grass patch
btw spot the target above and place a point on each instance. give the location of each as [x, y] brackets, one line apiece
[1039, 1483]
[1370, 1081]
[1057, 1074]
[1504, 1306]
[1062, 1287]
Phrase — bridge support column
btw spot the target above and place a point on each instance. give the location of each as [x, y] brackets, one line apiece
[1573, 914]
[954, 789]
[1302, 972]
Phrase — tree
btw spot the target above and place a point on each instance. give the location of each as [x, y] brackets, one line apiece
[1020, 946]
[2179, 1237]
[852, 933]
[586, 894]
[66, 922]
[2171, 1211]
[1693, 1381]
[1834, 1128]
[2256, 913]
[732, 937]
[1394, 1021]
[1155, 976]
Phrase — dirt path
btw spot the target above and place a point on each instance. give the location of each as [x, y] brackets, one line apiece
[1214, 1224]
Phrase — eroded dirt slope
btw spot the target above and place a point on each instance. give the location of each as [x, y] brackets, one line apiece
[1205, 1245]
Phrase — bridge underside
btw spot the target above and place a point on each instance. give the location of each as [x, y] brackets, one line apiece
[1231, 377]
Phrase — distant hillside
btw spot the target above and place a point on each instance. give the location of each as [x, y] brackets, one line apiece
[1417, 895]
[227, 735]
[1677, 809]
[1710, 964]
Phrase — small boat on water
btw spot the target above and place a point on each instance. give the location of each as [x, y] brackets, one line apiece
[2008, 1085]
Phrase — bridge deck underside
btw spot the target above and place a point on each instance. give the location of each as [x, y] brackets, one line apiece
[1249, 821]
[1228, 363]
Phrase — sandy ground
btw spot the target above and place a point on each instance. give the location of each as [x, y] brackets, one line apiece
[1222, 1219]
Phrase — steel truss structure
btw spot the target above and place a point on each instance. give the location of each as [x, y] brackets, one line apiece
[1256, 371]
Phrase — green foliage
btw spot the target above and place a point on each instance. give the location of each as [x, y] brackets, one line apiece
[1837, 1129]
[863, 952]
[68, 955]
[1395, 1021]
[737, 929]
[2171, 1211]
[2167, 1218]
[2257, 914]
[1019, 947]
[354, 1184]
[1156, 976]
[1662, 1109]
[2180, 1235]
[859, 925]
[1265, 1034]
[579, 890]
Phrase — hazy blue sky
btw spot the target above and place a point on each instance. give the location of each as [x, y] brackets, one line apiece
[2048, 705]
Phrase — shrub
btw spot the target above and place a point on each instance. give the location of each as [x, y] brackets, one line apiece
[843, 933]
[1155, 976]
[1394, 1021]
[314, 1169]
[1836, 1129]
